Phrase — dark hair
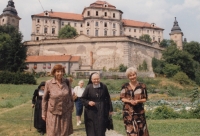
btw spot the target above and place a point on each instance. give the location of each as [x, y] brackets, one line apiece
[57, 67]
[90, 78]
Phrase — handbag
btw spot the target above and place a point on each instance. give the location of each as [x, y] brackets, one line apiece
[109, 124]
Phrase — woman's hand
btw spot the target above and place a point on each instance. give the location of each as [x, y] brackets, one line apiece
[33, 105]
[134, 102]
[44, 118]
[91, 103]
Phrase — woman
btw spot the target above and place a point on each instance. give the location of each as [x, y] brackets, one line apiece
[39, 123]
[134, 94]
[98, 106]
[57, 104]
[78, 91]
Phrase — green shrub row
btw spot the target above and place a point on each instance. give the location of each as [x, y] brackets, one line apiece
[16, 78]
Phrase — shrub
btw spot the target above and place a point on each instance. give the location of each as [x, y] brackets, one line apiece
[165, 112]
[170, 70]
[182, 78]
[16, 78]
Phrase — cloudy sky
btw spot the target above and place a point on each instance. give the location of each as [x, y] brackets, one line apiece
[160, 12]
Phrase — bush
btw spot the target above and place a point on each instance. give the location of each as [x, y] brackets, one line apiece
[170, 70]
[182, 78]
[16, 78]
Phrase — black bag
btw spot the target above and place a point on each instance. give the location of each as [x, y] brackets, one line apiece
[109, 124]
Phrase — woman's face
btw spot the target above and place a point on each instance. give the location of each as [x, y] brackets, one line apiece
[132, 77]
[95, 79]
[59, 74]
[42, 88]
[81, 84]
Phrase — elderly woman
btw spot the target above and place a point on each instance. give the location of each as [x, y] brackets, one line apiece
[134, 94]
[57, 104]
[78, 91]
[98, 106]
[39, 123]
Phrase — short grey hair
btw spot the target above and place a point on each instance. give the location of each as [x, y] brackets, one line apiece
[81, 81]
[130, 70]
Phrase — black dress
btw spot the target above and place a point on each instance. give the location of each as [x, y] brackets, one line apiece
[96, 117]
[39, 123]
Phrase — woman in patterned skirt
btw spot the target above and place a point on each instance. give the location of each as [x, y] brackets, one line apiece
[134, 94]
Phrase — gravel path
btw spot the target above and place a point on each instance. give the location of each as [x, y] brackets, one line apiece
[112, 133]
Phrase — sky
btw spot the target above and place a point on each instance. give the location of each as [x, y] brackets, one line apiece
[160, 12]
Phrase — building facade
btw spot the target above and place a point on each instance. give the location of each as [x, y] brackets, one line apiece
[99, 19]
[10, 15]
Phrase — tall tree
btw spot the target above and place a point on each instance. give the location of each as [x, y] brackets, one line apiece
[166, 43]
[12, 50]
[67, 32]
[146, 38]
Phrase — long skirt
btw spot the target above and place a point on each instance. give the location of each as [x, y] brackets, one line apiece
[59, 125]
[39, 123]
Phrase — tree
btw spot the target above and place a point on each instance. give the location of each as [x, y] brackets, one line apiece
[170, 70]
[122, 68]
[194, 49]
[146, 38]
[158, 65]
[166, 43]
[67, 32]
[12, 51]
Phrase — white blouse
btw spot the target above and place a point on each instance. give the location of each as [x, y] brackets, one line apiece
[78, 91]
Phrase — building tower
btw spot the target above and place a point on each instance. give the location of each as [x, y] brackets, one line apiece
[10, 15]
[177, 35]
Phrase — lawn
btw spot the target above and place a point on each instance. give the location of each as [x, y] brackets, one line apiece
[16, 112]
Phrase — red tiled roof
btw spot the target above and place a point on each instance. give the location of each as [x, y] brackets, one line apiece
[101, 3]
[54, 58]
[138, 24]
[70, 16]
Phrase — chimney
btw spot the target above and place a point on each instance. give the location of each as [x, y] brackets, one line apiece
[91, 59]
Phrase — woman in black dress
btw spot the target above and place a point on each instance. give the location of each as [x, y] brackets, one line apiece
[39, 123]
[98, 106]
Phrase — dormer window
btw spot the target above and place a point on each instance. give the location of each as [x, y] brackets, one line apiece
[105, 24]
[113, 15]
[97, 13]
[105, 5]
[46, 13]
[88, 13]
[105, 14]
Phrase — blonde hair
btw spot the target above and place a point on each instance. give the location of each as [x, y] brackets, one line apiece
[130, 71]
[81, 81]
[57, 67]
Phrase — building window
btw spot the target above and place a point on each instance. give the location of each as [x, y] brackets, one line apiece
[37, 38]
[88, 32]
[49, 66]
[74, 24]
[153, 38]
[124, 29]
[63, 23]
[37, 30]
[140, 31]
[88, 13]
[88, 24]
[97, 23]
[105, 32]
[3, 20]
[105, 24]
[69, 23]
[46, 21]
[153, 32]
[27, 66]
[13, 20]
[81, 25]
[134, 30]
[147, 31]
[113, 15]
[121, 32]
[114, 25]
[159, 40]
[44, 66]
[97, 13]
[96, 32]
[129, 29]
[35, 66]
[53, 30]
[158, 32]
[53, 21]
[64, 65]
[114, 33]
[105, 5]
[45, 30]
[105, 14]
[38, 20]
